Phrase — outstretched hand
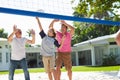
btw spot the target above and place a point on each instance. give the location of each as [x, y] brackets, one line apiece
[15, 28]
[62, 22]
[56, 20]
[32, 32]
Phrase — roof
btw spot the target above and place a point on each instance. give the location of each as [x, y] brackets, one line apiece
[99, 40]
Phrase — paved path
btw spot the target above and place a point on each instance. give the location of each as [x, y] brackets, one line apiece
[76, 76]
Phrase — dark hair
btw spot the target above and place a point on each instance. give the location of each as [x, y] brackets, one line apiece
[54, 34]
[65, 26]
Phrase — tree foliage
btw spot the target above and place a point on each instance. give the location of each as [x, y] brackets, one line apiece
[96, 9]
[3, 34]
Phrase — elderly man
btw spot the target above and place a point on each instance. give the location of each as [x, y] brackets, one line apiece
[18, 56]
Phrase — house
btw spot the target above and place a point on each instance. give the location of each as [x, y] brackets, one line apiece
[4, 54]
[91, 52]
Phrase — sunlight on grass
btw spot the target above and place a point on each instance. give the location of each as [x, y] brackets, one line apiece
[74, 69]
[94, 68]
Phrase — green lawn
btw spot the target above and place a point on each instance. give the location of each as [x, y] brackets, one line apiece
[96, 68]
[74, 69]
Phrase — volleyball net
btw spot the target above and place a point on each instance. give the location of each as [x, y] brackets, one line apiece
[55, 9]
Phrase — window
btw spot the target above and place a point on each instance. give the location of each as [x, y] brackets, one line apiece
[84, 57]
[7, 58]
[112, 43]
[114, 51]
[6, 46]
[0, 57]
[73, 58]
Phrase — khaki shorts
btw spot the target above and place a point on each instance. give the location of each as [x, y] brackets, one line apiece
[49, 63]
[64, 58]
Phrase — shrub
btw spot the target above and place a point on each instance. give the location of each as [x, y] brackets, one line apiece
[109, 60]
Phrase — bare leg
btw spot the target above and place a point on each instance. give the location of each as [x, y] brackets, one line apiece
[70, 74]
[50, 76]
[54, 74]
[58, 72]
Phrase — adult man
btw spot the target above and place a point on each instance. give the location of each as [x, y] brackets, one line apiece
[18, 55]
[64, 53]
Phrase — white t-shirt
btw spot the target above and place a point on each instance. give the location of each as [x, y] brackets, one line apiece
[18, 48]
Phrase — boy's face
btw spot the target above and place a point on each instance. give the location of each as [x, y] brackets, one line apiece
[50, 32]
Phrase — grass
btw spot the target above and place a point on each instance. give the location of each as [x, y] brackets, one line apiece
[74, 69]
[96, 68]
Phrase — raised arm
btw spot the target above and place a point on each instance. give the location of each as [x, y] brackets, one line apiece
[10, 37]
[59, 45]
[39, 24]
[62, 41]
[32, 32]
[72, 29]
[52, 23]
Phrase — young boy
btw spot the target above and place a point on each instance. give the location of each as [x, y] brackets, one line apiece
[47, 50]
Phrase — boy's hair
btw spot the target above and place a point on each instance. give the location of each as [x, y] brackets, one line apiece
[54, 34]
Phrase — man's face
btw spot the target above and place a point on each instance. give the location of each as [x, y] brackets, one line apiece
[18, 33]
[63, 28]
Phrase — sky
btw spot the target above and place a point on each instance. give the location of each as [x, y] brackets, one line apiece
[25, 22]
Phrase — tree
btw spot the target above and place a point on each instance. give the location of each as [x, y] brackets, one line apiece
[29, 35]
[2, 34]
[97, 9]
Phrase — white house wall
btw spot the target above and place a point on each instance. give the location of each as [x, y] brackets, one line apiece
[1, 64]
[93, 56]
[4, 49]
[84, 47]
[5, 65]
